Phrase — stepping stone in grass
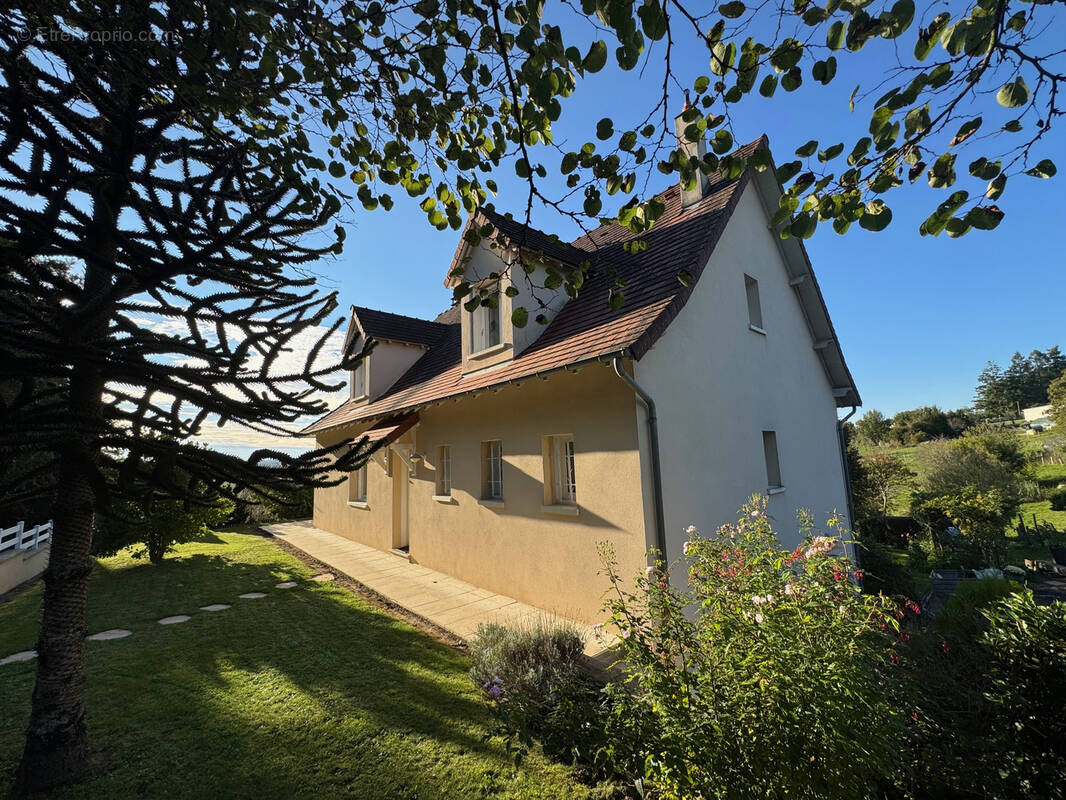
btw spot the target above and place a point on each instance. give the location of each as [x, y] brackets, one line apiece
[252, 595]
[15, 658]
[285, 585]
[177, 618]
[106, 636]
[325, 577]
[214, 607]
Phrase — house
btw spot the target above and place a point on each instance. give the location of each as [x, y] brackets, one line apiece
[1037, 418]
[507, 455]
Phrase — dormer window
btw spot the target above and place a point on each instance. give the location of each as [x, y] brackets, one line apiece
[485, 329]
[359, 380]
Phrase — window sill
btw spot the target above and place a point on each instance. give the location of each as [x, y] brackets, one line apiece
[757, 329]
[488, 503]
[445, 498]
[490, 351]
[358, 504]
[561, 509]
[775, 490]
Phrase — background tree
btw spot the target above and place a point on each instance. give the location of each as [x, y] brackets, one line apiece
[888, 477]
[873, 426]
[921, 424]
[1056, 394]
[1025, 382]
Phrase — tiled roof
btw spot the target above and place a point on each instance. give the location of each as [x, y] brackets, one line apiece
[396, 327]
[585, 329]
[529, 238]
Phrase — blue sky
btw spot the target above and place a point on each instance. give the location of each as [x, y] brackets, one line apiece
[918, 317]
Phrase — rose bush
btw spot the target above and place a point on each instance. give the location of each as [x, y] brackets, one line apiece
[768, 675]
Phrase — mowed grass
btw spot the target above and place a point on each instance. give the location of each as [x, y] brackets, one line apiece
[308, 692]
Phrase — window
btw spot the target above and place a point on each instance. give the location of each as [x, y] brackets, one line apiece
[751, 286]
[773, 466]
[357, 486]
[560, 480]
[485, 324]
[492, 470]
[359, 379]
[444, 470]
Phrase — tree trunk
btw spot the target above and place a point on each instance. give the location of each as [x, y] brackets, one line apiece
[55, 750]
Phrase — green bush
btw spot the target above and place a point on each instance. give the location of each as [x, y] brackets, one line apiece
[539, 689]
[769, 676]
[1058, 500]
[1025, 646]
[960, 620]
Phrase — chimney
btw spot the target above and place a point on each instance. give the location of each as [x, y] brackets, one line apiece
[698, 149]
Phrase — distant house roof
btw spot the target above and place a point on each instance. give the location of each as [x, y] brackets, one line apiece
[586, 329]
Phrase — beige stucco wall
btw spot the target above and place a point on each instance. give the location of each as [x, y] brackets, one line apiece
[718, 385]
[520, 550]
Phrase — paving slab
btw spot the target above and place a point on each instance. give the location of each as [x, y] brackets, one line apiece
[252, 595]
[455, 605]
[285, 585]
[18, 658]
[215, 607]
[177, 619]
[106, 636]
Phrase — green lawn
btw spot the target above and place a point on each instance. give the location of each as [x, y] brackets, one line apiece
[309, 692]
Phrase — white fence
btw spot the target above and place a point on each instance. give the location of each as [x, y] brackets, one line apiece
[19, 537]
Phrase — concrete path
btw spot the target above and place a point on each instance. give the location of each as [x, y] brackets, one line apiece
[447, 602]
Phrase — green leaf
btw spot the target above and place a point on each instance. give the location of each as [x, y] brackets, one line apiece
[732, 10]
[519, 317]
[787, 172]
[701, 84]
[830, 152]
[569, 163]
[876, 216]
[787, 55]
[966, 131]
[722, 142]
[803, 226]
[652, 19]
[984, 218]
[984, 169]
[596, 58]
[807, 150]
[996, 187]
[942, 173]
[1044, 169]
[336, 169]
[835, 38]
[768, 86]
[1013, 94]
[616, 299]
[604, 129]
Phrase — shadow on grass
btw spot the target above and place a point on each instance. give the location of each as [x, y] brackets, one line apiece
[308, 690]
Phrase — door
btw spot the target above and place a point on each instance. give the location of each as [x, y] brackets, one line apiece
[401, 480]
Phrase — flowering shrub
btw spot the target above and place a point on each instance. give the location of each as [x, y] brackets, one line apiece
[534, 680]
[769, 675]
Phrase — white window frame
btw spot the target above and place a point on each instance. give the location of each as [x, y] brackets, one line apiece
[357, 486]
[444, 470]
[492, 470]
[561, 477]
[751, 290]
[482, 335]
[358, 385]
[774, 482]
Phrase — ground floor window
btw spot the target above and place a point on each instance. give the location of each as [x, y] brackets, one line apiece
[444, 470]
[492, 470]
[357, 486]
[560, 477]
